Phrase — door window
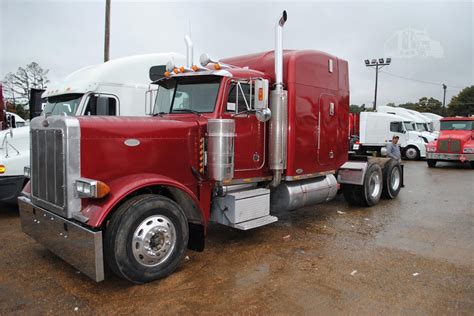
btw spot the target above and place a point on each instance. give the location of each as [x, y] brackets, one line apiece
[101, 105]
[239, 97]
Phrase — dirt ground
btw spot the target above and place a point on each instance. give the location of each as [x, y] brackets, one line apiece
[412, 255]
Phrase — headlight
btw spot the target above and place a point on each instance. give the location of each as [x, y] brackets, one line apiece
[88, 188]
[2, 169]
[468, 150]
[27, 172]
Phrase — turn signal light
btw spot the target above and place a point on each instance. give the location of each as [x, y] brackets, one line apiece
[2, 169]
[88, 188]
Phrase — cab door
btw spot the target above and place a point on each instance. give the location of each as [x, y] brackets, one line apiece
[249, 146]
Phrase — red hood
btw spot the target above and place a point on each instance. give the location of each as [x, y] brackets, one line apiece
[459, 135]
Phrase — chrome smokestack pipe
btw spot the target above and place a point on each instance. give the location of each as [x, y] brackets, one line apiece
[279, 49]
[279, 106]
[189, 51]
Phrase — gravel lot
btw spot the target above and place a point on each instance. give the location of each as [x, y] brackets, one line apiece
[414, 254]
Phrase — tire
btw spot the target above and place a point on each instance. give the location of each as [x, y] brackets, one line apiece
[472, 164]
[370, 192]
[411, 153]
[431, 163]
[392, 179]
[134, 226]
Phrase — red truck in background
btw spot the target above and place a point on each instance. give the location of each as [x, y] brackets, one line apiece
[235, 142]
[455, 142]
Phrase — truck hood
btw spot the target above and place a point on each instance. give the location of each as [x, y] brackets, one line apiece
[113, 147]
[463, 136]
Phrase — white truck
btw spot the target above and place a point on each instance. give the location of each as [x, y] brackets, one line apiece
[19, 121]
[377, 129]
[420, 124]
[117, 87]
[435, 120]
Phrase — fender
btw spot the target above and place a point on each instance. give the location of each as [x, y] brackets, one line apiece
[98, 210]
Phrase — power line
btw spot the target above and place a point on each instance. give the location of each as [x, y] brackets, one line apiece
[420, 81]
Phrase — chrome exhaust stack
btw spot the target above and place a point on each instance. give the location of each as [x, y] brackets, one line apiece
[189, 51]
[279, 108]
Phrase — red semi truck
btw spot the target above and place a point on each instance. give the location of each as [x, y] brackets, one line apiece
[455, 142]
[233, 142]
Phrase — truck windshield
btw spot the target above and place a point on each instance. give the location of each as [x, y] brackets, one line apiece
[409, 126]
[457, 125]
[187, 94]
[67, 103]
[421, 127]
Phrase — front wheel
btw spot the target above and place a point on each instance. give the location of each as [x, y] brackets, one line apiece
[431, 163]
[412, 153]
[146, 238]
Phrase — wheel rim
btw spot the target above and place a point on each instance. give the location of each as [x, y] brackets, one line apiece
[154, 240]
[395, 179]
[411, 153]
[374, 185]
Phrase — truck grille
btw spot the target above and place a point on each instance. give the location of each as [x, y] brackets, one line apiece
[449, 145]
[48, 166]
[455, 146]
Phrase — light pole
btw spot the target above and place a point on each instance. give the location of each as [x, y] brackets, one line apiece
[107, 31]
[378, 64]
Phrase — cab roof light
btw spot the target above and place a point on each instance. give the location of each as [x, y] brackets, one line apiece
[2, 169]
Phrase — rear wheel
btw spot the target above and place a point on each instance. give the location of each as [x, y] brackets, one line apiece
[412, 153]
[369, 193]
[146, 238]
[431, 163]
[392, 179]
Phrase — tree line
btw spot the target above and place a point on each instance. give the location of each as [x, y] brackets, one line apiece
[460, 105]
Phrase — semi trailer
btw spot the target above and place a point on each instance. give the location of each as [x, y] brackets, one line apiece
[234, 142]
[119, 87]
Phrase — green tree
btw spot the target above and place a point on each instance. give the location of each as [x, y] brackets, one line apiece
[354, 108]
[463, 103]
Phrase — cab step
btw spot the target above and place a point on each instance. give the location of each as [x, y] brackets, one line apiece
[254, 223]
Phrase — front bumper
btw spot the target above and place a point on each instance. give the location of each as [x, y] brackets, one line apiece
[78, 245]
[10, 188]
[450, 157]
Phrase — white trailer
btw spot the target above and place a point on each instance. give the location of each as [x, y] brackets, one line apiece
[117, 87]
[377, 129]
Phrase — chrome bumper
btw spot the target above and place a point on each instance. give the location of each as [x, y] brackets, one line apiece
[456, 157]
[79, 246]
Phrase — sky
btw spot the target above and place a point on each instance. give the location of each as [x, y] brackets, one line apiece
[430, 42]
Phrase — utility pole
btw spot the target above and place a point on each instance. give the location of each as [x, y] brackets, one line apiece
[444, 95]
[107, 31]
[378, 64]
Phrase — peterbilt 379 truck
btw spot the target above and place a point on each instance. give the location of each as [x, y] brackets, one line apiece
[233, 142]
[455, 142]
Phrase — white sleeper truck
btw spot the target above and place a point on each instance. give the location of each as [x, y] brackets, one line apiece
[377, 129]
[117, 87]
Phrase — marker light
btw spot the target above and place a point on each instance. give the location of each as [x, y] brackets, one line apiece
[2, 169]
[260, 94]
[88, 188]
[381, 60]
[195, 68]
[181, 69]
[217, 66]
[176, 70]
[167, 74]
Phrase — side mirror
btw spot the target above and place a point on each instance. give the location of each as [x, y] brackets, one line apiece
[263, 115]
[261, 94]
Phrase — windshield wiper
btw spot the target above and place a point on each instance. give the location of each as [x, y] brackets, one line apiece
[186, 110]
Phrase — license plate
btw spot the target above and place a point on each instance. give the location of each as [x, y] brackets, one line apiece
[355, 146]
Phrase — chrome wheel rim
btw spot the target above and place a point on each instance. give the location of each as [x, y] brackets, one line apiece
[154, 240]
[395, 179]
[411, 153]
[374, 185]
